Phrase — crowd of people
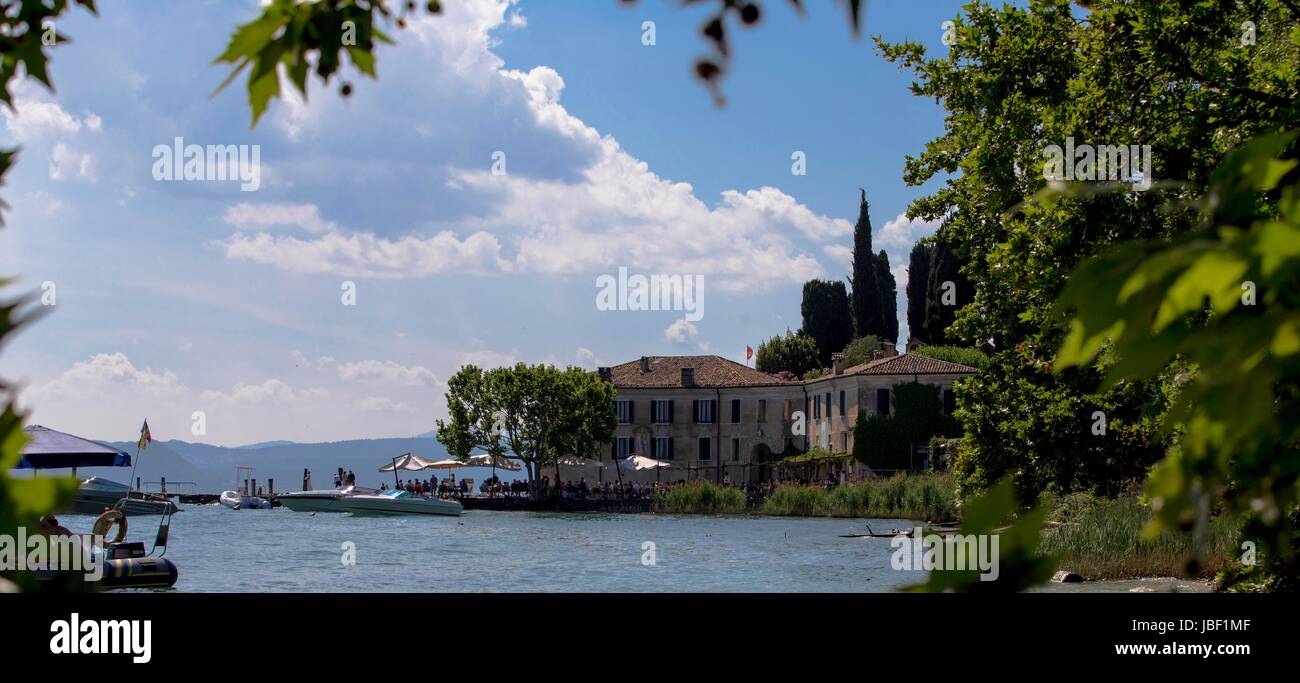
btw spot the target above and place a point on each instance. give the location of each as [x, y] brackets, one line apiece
[450, 487]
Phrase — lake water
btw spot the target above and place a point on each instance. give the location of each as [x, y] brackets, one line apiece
[217, 549]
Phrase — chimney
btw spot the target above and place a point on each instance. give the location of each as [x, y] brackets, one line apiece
[877, 355]
[688, 377]
[645, 364]
[912, 345]
[837, 363]
[889, 348]
[606, 374]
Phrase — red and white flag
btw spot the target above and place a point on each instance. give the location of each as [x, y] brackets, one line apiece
[749, 352]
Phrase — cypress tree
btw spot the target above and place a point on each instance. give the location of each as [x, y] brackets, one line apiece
[826, 317]
[868, 318]
[888, 298]
[918, 282]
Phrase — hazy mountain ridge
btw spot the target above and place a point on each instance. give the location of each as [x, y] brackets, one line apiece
[212, 468]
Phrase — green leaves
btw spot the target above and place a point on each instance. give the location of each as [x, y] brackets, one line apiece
[291, 37]
[1019, 564]
[1224, 300]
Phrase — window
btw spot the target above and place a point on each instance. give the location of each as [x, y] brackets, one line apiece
[841, 403]
[882, 401]
[624, 410]
[706, 448]
[844, 439]
[949, 401]
[661, 412]
[735, 410]
[663, 448]
[817, 407]
[786, 410]
[830, 410]
[623, 446]
[704, 411]
[762, 410]
[735, 450]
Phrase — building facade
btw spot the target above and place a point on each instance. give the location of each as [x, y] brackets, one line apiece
[711, 418]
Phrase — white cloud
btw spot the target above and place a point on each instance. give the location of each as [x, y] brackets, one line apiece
[589, 208]
[35, 116]
[41, 203]
[382, 372]
[364, 254]
[902, 232]
[66, 164]
[103, 375]
[261, 215]
[681, 332]
[381, 404]
[269, 391]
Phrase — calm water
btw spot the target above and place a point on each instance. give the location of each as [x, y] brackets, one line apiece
[217, 549]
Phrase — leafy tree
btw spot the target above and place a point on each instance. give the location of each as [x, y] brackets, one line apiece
[826, 320]
[1223, 299]
[954, 354]
[1021, 78]
[793, 353]
[860, 350]
[537, 413]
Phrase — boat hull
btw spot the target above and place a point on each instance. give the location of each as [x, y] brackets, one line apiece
[309, 503]
[381, 506]
[92, 500]
[234, 501]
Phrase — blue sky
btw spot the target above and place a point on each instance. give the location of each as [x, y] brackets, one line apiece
[182, 297]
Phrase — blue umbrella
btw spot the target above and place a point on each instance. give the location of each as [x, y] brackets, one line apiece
[50, 449]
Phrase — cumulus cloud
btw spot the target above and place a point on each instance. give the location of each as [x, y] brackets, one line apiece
[382, 371]
[306, 217]
[381, 404]
[35, 116]
[102, 375]
[67, 163]
[364, 254]
[588, 207]
[269, 391]
[681, 332]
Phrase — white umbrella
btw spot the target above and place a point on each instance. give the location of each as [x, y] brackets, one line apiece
[497, 462]
[640, 462]
[408, 462]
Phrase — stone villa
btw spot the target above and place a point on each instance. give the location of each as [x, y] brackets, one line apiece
[713, 418]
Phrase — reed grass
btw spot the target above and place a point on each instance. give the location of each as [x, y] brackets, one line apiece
[701, 498]
[1102, 539]
[925, 497]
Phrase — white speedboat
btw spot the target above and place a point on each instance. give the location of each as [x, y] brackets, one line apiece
[238, 501]
[95, 494]
[398, 502]
[327, 500]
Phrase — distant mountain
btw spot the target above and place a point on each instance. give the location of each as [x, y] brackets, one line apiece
[213, 467]
[264, 444]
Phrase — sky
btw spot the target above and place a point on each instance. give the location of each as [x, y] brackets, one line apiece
[458, 209]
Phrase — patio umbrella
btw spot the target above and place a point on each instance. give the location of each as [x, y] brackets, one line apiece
[407, 462]
[497, 462]
[51, 449]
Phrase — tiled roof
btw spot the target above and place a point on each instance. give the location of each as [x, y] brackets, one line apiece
[909, 364]
[710, 371]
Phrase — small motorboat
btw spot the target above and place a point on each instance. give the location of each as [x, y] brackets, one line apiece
[327, 500]
[398, 502]
[238, 501]
[96, 494]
